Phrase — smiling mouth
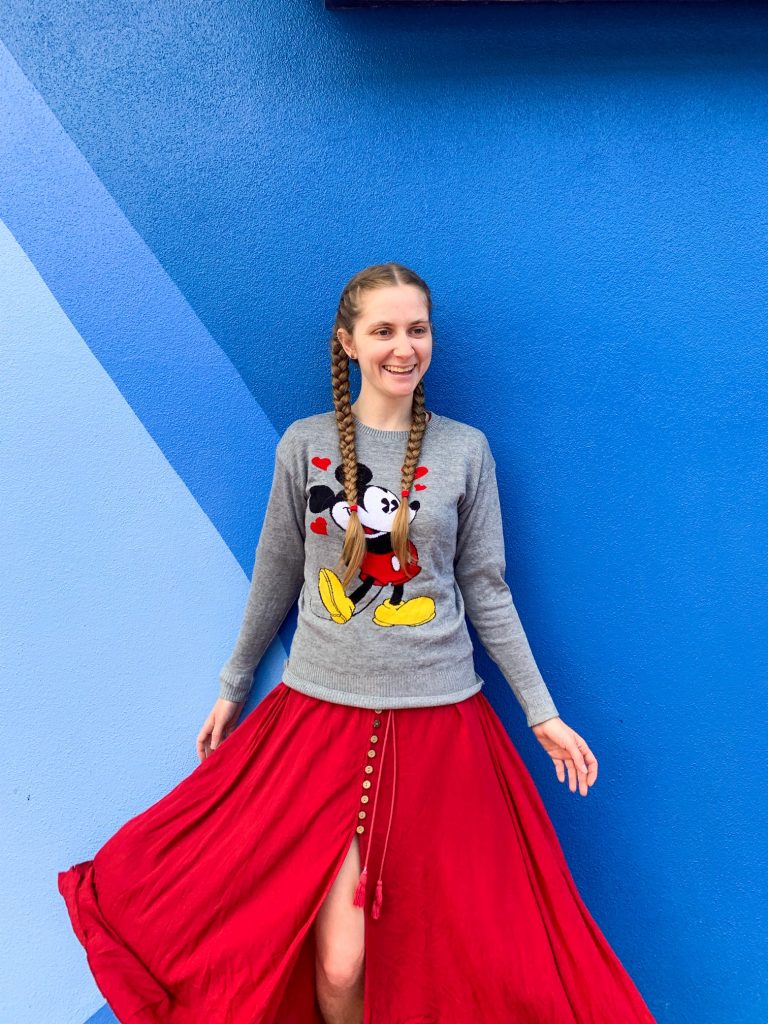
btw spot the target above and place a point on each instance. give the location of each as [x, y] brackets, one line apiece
[400, 371]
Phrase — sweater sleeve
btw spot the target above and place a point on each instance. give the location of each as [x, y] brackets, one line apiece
[479, 568]
[278, 575]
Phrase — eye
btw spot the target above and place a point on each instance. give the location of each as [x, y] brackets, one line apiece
[385, 329]
[389, 505]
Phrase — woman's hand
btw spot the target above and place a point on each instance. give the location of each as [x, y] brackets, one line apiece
[566, 747]
[217, 726]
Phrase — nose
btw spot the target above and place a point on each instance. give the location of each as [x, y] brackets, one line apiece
[403, 346]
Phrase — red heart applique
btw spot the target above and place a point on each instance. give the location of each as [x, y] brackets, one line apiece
[320, 526]
[420, 471]
[419, 487]
[320, 463]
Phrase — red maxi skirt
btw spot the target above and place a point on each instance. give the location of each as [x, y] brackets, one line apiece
[200, 909]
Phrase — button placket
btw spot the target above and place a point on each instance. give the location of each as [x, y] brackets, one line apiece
[374, 739]
[359, 899]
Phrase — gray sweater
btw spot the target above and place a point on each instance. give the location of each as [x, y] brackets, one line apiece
[386, 641]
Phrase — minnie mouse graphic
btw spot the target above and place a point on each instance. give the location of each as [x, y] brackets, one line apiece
[380, 566]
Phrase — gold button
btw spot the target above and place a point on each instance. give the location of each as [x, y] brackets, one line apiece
[371, 753]
[367, 784]
[378, 711]
[360, 828]
[376, 723]
[368, 769]
[364, 798]
[374, 739]
[361, 814]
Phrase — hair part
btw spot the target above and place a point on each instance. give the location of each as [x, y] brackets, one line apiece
[381, 275]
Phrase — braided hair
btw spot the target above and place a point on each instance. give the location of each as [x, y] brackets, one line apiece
[382, 275]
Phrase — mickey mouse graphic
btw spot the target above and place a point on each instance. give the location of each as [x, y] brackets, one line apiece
[380, 566]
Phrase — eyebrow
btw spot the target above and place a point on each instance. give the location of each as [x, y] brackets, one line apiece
[386, 323]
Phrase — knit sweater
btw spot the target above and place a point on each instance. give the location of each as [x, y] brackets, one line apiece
[385, 641]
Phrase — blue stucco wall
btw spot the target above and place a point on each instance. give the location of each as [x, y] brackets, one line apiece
[184, 189]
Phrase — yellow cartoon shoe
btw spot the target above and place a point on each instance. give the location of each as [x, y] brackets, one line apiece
[415, 612]
[336, 602]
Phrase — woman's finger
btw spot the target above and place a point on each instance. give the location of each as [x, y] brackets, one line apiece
[200, 745]
[581, 773]
[572, 774]
[576, 752]
[589, 759]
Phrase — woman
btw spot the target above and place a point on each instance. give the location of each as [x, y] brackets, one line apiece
[367, 845]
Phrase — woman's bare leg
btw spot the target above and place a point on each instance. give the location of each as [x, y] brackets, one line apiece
[340, 943]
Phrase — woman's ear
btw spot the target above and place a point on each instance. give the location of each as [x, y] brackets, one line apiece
[343, 337]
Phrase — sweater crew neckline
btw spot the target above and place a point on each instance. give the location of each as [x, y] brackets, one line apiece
[400, 436]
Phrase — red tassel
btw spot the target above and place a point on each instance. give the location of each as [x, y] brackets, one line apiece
[377, 902]
[359, 900]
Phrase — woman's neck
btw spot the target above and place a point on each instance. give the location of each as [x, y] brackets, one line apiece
[382, 416]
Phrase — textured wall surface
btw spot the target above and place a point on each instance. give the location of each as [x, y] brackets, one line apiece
[184, 189]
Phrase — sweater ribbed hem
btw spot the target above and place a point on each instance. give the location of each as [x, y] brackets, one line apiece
[431, 689]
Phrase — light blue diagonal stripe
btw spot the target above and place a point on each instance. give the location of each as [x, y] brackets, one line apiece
[132, 316]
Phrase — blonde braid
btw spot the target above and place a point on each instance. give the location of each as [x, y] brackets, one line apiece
[354, 547]
[412, 454]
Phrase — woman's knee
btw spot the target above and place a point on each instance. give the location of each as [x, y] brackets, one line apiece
[341, 963]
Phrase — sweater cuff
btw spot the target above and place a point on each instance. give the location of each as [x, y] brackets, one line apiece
[542, 716]
[234, 688]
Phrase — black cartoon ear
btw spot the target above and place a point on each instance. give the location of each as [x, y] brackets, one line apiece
[364, 476]
[321, 498]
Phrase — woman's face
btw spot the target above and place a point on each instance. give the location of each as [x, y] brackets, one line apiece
[392, 333]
